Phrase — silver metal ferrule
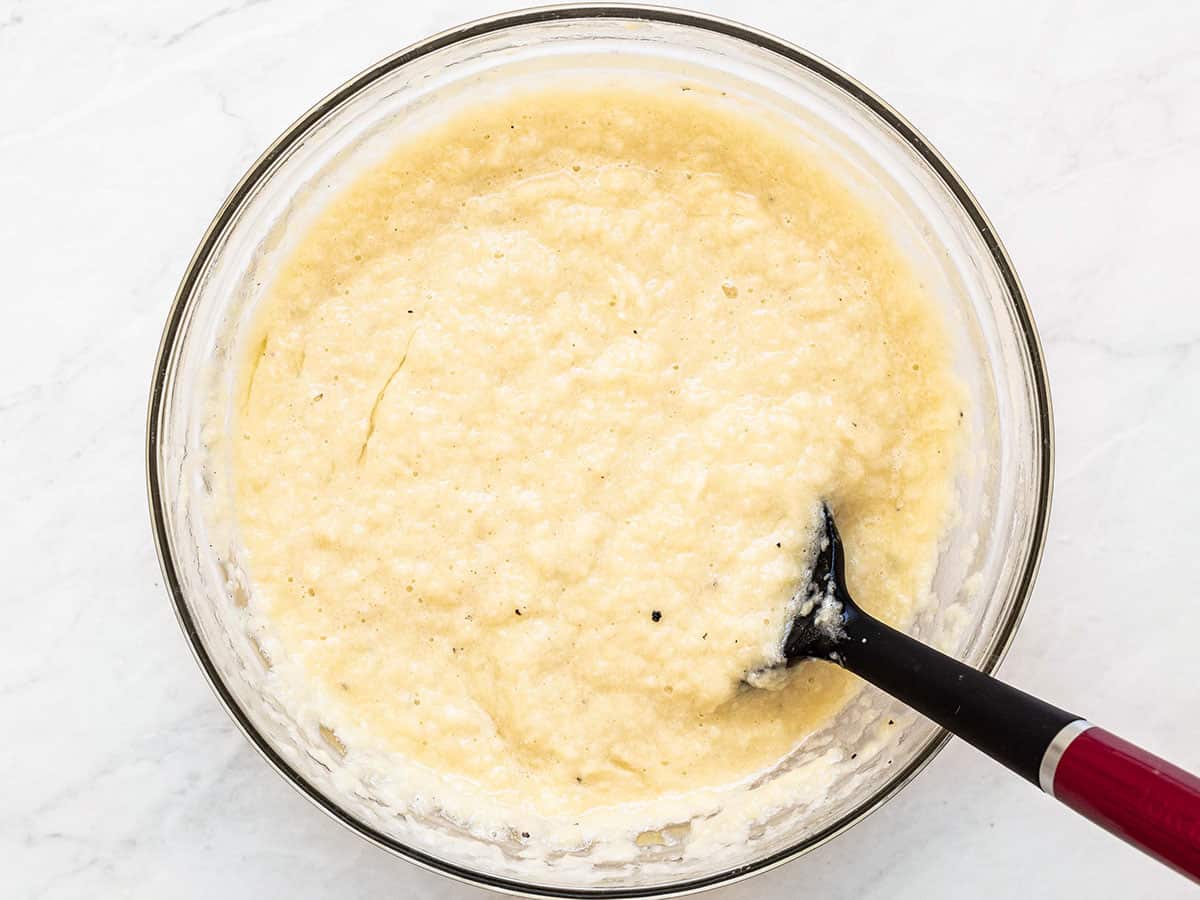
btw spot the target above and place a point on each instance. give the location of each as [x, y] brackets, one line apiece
[1057, 748]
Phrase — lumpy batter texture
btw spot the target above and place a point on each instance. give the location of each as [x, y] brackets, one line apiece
[533, 431]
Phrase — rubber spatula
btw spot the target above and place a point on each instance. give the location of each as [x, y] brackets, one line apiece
[1140, 798]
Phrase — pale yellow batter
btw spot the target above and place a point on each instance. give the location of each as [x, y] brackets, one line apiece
[534, 428]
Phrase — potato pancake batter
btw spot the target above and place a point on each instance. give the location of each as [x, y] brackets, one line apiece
[534, 428]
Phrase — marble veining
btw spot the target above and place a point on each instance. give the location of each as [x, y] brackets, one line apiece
[125, 124]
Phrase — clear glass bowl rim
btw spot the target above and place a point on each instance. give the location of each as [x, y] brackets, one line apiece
[1019, 307]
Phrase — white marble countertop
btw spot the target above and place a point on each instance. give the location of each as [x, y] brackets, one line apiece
[122, 126]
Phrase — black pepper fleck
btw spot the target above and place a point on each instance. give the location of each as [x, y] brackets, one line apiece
[517, 611]
[524, 834]
[655, 616]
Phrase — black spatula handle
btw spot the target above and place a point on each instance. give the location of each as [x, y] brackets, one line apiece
[1136, 795]
[1008, 725]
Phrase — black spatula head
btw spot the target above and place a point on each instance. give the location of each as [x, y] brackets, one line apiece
[819, 625]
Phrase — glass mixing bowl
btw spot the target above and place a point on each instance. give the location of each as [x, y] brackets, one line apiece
[987, 562]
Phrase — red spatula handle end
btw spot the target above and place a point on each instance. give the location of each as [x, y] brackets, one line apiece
[1144, 800]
